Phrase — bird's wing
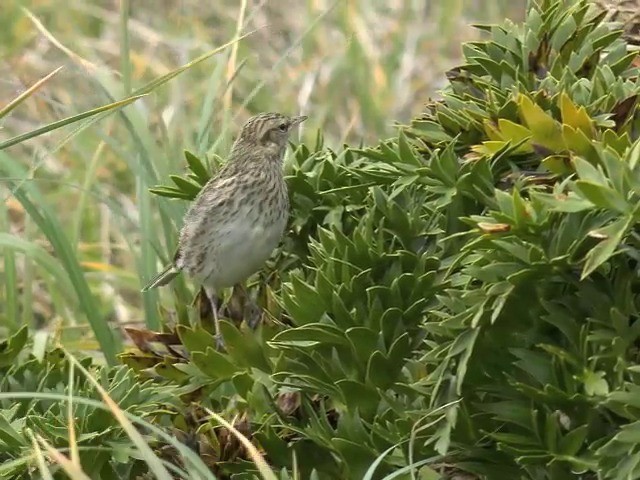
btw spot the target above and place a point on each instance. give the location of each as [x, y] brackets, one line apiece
[205, 211]
[212, 196]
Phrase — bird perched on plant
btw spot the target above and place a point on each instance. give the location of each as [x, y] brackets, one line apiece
[239, 216]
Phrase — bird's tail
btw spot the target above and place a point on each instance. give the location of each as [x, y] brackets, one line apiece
[164, 277]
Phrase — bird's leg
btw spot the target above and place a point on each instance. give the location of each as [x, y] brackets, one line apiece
[211, 295]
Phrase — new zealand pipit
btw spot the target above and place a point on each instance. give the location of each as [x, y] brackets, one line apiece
[239, 216]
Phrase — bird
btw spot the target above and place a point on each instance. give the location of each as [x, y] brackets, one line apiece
[239, 216]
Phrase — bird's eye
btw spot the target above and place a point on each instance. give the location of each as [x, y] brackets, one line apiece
[283, 127]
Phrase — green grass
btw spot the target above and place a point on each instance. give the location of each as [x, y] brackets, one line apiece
[79, 232]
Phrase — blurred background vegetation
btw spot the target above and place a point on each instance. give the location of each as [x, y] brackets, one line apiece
[354, 66]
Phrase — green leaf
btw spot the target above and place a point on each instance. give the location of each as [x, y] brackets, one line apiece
[4, 111]
[618, 143]
[357, 457]
[612, 235]
[602, 196]
[359, 397]
[302, 301]
[587, 172]
[545, 130]
[633, 158]
[171, 192]
[570, 203]
[309, 335]
[521, 215]
[463, 344]
[195, 339]
[399, 351]
[572, 441]
[214, 364]
[558, 164]
[575, 117]
[518, 413]
[197, 167]
[243, 348]
[378, 371]
[185, 186]
[514, 133]
[595, 383]
[621, 65]
[577, 142]
[430, 131]
[406, 152]
[67, 121]
[363, 341]
[629, 434]
[551, 432]
[11, 347]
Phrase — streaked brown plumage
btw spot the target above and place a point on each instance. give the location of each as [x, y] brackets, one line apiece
[239, 216]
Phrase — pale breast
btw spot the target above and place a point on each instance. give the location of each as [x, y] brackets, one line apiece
[243, 245]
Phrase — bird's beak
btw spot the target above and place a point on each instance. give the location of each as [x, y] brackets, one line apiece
[297, 120]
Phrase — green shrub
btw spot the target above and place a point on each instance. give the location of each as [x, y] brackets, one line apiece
[35, 394]
[468, 290]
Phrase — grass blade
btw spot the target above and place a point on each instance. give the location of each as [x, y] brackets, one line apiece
[51, 228]
[257, 459]
[40, 256]
[27, 93]
[10, 274]
[66, 121]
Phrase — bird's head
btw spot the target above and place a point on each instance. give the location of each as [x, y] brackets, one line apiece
[268, 132]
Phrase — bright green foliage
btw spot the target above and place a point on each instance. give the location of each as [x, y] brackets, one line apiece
[469, 288]
[33, 401]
